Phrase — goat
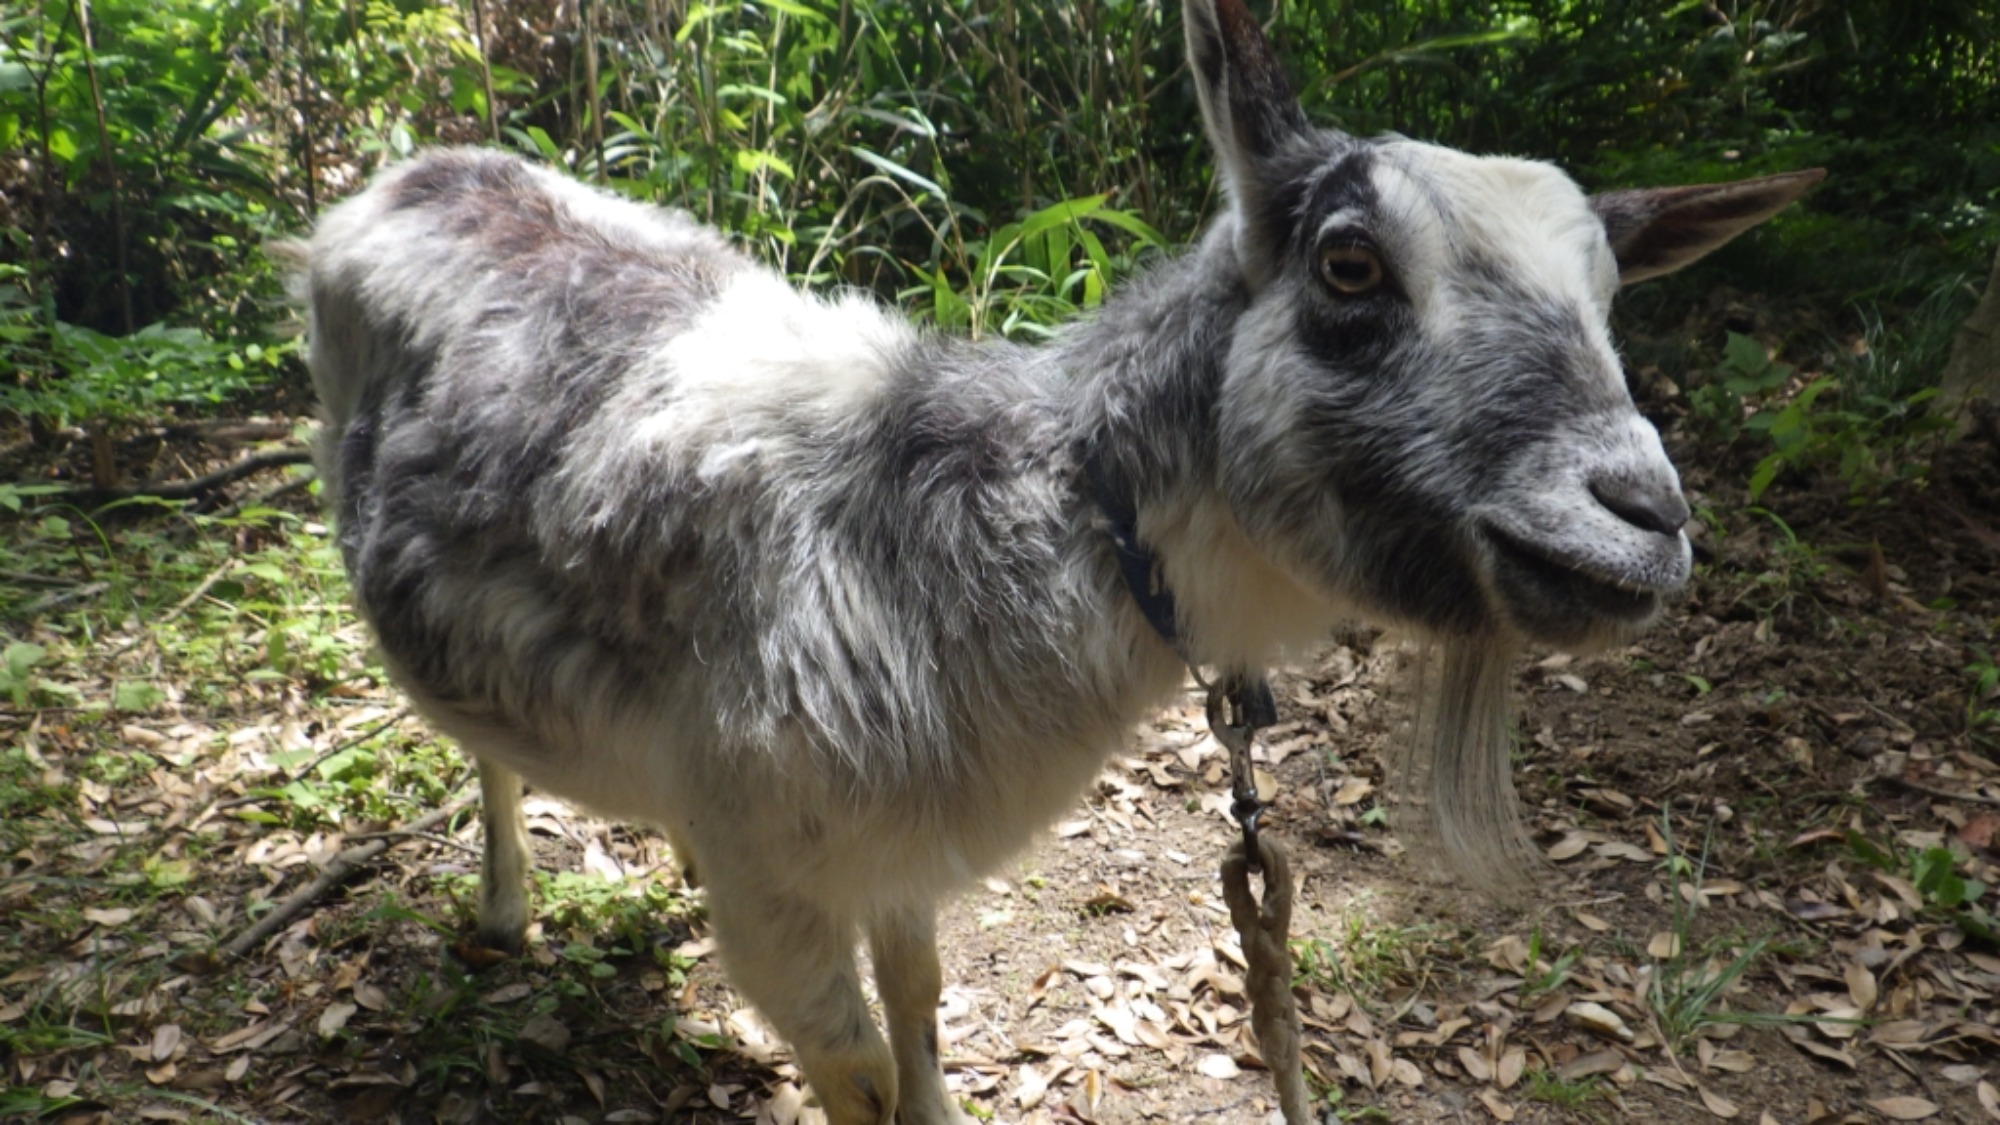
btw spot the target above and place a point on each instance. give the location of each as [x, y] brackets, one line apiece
[833, 601]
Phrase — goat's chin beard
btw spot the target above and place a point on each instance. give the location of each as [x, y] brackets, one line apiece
[1452, 777]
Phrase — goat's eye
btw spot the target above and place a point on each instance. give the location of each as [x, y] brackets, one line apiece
[1349, 270]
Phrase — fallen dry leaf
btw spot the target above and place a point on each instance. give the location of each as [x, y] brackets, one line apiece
[508, 993]
[166, 1037]
[1598, 1020]
[1512, 1064]
[1218, 1066]
[550, 1034]
[1033, 1088]
[1904, 1107]
[1804, 1041]
[1979, 831]
[1736, 1062]
[1591, 1064]
[334, 1018]
[1353, 791]
[370, 997]
[1861, 986]
[1569, 847]
[1716, 1103]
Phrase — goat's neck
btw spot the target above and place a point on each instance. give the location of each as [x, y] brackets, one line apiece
[1149, 373]
[1148, 369]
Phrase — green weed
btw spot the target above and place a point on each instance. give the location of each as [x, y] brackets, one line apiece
[1370, 955]
[1796, 569]
[1688, 990]
[1982, 704]
[1933, 871]
[1861, 422]
[1546, 976]
[1550, 1088]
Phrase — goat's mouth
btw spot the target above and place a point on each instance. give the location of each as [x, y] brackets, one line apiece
[1556, 596]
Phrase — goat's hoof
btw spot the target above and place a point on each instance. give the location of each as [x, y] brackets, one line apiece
[483, 950]
[857, 1100]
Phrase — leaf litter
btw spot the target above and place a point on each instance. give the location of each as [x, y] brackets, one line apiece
[1769, 840]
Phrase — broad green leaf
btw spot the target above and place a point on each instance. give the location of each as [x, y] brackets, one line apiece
[22, 656]
[1743, 353]
[135, 695]
[752, 161]
[792, 8]
[1765, 473]
[896, 170]
[1058, 214]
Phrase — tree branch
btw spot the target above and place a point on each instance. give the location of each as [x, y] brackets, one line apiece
[337, 871]
[187, 489]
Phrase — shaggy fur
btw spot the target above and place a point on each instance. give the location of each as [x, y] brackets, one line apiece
[829, 599]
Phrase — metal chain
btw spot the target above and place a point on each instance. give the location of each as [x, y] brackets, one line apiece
[1239, 704]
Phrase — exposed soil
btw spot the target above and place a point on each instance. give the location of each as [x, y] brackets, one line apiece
[1778, 755]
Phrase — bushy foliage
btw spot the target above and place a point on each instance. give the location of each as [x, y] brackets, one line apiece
[995, 163]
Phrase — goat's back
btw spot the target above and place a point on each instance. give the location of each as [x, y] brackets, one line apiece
[633, 517]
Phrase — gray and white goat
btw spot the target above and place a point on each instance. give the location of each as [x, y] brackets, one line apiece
[832, 600]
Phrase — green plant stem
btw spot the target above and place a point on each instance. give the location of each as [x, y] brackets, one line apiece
[45, 50]
[587, 12]
[111, 174]
[485, 67]
[305, 107]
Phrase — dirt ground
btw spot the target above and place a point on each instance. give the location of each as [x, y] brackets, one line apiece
[1758, 823]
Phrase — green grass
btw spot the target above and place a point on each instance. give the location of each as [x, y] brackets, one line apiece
[1546, 976]
[1370, 956]
[1552, 1089]
[1688, 991]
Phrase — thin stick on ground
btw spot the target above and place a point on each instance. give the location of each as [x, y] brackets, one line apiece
[196, 594]
[337, 871]
[269, 495]
[187, 489]
[61, 598]
[1934, 791]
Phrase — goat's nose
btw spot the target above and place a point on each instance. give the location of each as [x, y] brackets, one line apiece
[1651, 505]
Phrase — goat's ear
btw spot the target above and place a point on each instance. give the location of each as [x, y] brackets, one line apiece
[1246, 100]
[1654, 231]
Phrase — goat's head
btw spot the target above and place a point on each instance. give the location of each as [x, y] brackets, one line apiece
[1425, 367]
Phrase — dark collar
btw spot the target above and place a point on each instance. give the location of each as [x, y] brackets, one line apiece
[1136, 562]
[1249, 692]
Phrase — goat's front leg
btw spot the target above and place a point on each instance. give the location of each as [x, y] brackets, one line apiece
[795, 962]
[503, 873]
[904, 945]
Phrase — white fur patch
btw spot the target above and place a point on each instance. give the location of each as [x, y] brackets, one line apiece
[761, 351]
[1523, 216]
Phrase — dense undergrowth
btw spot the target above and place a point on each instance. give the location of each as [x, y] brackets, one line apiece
[993, 165]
